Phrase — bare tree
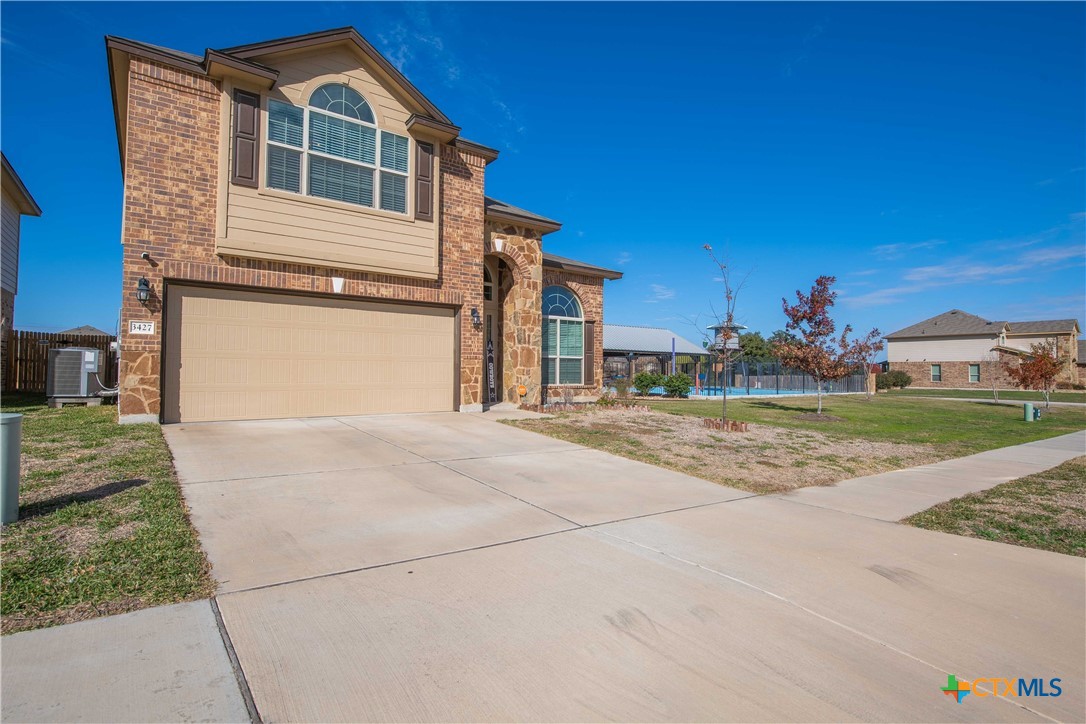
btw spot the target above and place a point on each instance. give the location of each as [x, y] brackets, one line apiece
[726, 327]
[992, 368]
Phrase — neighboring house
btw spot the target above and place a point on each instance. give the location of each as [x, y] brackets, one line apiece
[306, 234]
[1081, 360]
[961, 350]
[16, 203]
[85, 331]
[628, 350]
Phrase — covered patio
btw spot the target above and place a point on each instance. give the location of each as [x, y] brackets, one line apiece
[628, 350]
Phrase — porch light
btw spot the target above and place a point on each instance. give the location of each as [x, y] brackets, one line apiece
[475, 319]
[143, 290]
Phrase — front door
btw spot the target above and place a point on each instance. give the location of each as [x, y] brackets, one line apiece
[493, 346]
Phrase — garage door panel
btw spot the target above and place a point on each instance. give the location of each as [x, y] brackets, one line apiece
[247, 355]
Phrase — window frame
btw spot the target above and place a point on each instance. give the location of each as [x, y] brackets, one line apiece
[305, 152]
[559, 320]
[977, 368]
[936, 376]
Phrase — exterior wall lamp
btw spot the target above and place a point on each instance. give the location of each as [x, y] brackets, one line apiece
[475, 319]
[143, 290]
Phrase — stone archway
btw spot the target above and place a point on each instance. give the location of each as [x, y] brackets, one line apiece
[520, 302]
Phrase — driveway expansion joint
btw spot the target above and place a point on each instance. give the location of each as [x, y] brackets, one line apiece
[235, 664]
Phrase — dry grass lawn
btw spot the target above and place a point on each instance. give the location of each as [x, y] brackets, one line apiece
[766, 459]
[102, 526]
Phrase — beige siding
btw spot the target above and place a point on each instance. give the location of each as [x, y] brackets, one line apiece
[233, 355]
[1026, 342]
[946, 349]
[278, 225]
[9, 238]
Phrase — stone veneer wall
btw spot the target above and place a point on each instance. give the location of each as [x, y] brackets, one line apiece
[7, 319]
[589, 291]
[522, 302]
[171, 187]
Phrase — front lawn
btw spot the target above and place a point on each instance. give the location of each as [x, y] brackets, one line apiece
[1045, 511]
[788, 446]
[1019, 395]
[766, 459]
[955, 428]
[102, 526]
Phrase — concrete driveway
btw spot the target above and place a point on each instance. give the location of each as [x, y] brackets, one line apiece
[447, 567]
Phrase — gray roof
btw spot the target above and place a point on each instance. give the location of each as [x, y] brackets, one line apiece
[950, 324]
[957, 323]
[560, 262]
[86, 329]
[504, 209]
[655, 340]
[1044, 326]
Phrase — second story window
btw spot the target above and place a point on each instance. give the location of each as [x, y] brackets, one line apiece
[334, 150]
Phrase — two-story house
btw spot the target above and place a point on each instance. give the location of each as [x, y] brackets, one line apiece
[956, 349]
[306, 234]
[16, 203]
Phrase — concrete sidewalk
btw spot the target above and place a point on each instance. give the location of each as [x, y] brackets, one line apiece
[900, 493]
[160, 664]
[445, 568]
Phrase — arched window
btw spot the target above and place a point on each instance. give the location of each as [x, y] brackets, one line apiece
[563, 337]
[488, 285]
[341, 100]
[333, 149]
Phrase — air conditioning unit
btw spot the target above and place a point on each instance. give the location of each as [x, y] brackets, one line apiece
[73, 372]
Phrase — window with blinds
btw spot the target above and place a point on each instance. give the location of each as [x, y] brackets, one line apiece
[332, 149]
[563, 338]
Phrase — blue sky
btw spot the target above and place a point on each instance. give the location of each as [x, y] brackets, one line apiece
[929, 155]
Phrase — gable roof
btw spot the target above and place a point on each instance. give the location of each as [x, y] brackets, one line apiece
[346, 34]
[243, 58]
[86, 330]
[957, 323]
[950, 324]
[1044, 326]
[579, 267]
[15, 186]
[502, 210]
[649, 340]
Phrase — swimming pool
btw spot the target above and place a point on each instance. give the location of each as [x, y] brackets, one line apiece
[732, 392]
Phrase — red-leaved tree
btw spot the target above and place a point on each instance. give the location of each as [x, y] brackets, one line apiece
[817, 350]
[1038, 371]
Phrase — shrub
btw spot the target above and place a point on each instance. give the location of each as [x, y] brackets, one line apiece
[645, 381]
[899, 379]
[622, 388]
[1070, 386]
[607, 400]
[882, 381]
[677, 385]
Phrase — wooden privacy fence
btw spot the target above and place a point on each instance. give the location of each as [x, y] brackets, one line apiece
[26, 355]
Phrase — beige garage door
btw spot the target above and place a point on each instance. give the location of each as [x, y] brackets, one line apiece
[233, 355]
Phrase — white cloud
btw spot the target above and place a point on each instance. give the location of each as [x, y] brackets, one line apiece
[897, 251]
[1054, 255]
[660, 293]
[624, 258]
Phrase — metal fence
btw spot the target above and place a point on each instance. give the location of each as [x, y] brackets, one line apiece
[762, 378]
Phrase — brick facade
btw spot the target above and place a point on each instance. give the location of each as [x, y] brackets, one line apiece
[171, 189]
[589, 291]
[955, 375]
